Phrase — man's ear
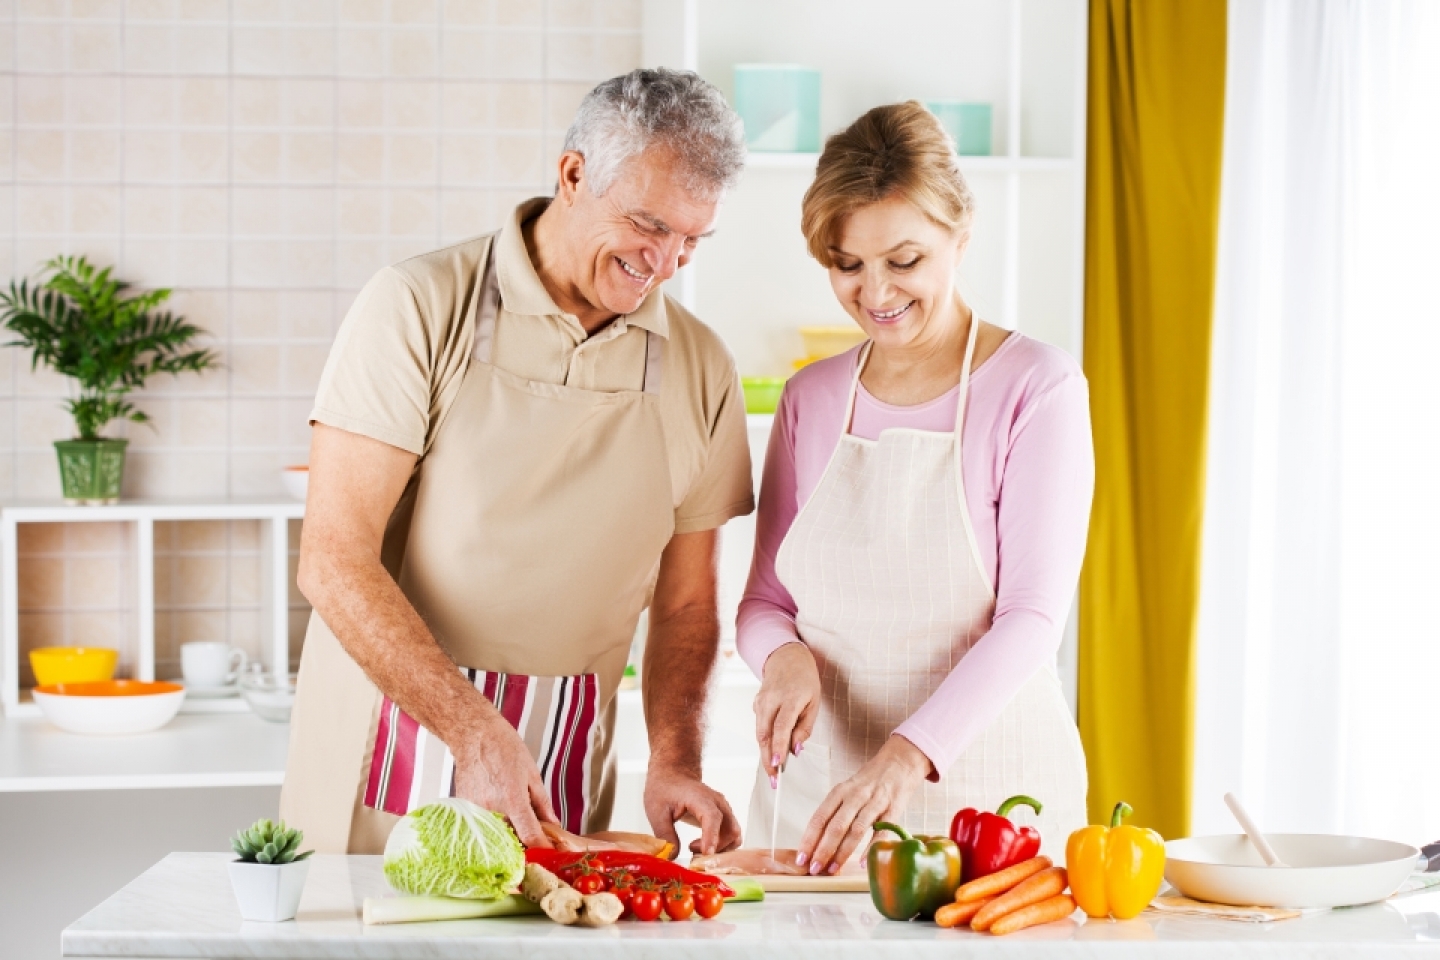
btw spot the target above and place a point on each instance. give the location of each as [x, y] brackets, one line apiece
[572, 176]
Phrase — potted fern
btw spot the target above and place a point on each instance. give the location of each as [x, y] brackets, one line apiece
[270, 874]
[80, 321]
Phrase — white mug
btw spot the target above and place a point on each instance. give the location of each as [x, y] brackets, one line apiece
[211, 663]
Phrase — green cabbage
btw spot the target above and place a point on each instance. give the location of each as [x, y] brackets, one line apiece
[452, 848]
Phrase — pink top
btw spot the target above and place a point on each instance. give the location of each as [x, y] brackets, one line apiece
[1029, 473]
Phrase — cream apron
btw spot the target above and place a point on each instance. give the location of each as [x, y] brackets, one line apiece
[529, 540]
[890, 594]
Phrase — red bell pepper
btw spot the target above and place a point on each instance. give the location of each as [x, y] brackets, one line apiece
[989, 842]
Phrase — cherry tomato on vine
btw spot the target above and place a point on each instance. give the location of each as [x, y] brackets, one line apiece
[588, 883]
[679, 903]
[708, 902]
[624, 895]
[645, 904]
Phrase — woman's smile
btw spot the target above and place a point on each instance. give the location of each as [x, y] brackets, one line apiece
[891, 316]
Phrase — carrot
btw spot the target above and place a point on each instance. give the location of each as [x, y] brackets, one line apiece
[982, 888]
[954, 914]
[1046, 911]
[1044, 885]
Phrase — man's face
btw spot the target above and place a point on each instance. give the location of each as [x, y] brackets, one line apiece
[638, 234]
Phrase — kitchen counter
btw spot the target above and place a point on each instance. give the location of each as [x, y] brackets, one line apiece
[183, 908]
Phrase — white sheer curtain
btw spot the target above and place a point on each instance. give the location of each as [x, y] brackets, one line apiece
[1318, 694]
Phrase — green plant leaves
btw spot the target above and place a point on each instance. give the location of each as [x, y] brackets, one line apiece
[79, 321]
[267, 842]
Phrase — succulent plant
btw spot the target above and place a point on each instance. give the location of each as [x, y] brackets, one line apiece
[269, 842]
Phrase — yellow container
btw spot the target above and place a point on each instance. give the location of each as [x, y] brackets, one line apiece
[72, 664]
[822, 342]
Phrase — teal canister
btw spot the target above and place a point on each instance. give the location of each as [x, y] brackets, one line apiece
[780, 106]
[967, 123]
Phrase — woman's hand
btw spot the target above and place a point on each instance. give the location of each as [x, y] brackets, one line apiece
[879, 791]
[787, 704]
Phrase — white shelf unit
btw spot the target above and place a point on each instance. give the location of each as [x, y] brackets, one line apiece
[143, 515]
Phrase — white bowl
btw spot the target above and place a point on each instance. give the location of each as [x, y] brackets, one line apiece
[1324, 870]
[267, 696]
[110, 706]
[296, 480]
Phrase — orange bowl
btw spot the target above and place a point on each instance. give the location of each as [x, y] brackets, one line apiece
[110, 706]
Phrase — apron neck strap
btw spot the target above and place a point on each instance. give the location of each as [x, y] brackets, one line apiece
[964, 379]
[489, 311]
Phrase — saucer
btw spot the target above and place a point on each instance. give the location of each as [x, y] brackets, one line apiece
[218, 692]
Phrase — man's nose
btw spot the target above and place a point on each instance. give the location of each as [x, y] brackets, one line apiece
[665, 256]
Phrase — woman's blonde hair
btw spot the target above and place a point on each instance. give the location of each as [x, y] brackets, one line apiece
[898, 150]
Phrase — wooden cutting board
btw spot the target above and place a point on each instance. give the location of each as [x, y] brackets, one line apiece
[846, 883]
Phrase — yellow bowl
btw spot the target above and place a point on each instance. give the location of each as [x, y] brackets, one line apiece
[822, 342]
[72, 664]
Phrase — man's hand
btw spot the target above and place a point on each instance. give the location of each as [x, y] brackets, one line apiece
[674, 795]
[495, 770]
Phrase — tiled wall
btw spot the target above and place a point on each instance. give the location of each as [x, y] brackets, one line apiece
[264, 158]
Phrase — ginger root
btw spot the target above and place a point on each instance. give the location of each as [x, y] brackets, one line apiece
[564, 904]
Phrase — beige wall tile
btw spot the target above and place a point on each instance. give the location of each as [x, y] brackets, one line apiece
[202, 535]
[295, 428]
[465, 53]
[309, 263]
[203, 10]
[149, 156]
[571, 14]
[363, 11]
[415, 11]
[41, 581]
[204, 102]
[94, 155]
[256, 157]
[309, 103]
[357, 260]
[202, 210]
[202, 423]
[40, 46]
[360, 157]
[42, 422]
[309, 11]
[468, 107]
[257, 101]
[259, 211]
[255, 422]
[309, 52]
[192, 625]
[149, 48]
[245, 580]
[303, 363]
[361, 103]
[514, 13]
[149, 260]
[97, 537]
[413, 212]
[201, 581]
[202, 156]
[40, 99]
[310, 212]
[92, 101]
[360, 52]
[245, 534]
[202, 49]
[160, 432]
[7, 99]
[521, 106]
[258, 50]
[518, 160]
[616, 54]
[305, 314]
[40, 209]
[572, 56]
[410, 158]
[257, 10]
[414, 53]
[619, 15]
[201, 263]
[564, 103]
[466, 159]
[308, 157]
[95, 210]
[150, 101]
[463, 213]
[256, 313]
[94, 48]
[152, 10]
[412, 104]
[33, 539]
[515, 56]
[40, 154]
[95, 9]
[359, 212]
[257, 473]
[255, 369]
[246, 629]
[92, 582]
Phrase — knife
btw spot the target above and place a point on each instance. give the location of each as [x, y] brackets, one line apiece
[775, 816]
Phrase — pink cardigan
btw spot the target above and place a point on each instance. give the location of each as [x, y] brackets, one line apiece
[1029, 474]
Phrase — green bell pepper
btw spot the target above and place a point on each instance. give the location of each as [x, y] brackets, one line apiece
[914, 876]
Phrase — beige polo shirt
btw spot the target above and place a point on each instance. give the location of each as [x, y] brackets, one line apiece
[403, 349]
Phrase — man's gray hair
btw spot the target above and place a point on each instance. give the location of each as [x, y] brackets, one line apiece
[661, 107]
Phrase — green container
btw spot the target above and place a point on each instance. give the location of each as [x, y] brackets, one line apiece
[91, 470]
[967, 123]
[762, 394]
[780, 106]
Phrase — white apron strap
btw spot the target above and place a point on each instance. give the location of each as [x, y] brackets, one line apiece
[485, 323]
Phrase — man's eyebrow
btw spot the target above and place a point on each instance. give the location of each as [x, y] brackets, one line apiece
[661, 226]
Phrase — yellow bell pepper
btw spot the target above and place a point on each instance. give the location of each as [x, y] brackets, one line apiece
[1115, 871]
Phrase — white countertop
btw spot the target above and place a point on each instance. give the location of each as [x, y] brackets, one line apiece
[183, 907]
[193, 750]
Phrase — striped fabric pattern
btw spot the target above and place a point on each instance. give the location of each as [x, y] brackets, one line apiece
[556, 717]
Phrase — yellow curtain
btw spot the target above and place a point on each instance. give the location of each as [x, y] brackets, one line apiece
[1156, 104]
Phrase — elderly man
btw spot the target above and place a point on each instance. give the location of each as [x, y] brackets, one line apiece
[519, 444]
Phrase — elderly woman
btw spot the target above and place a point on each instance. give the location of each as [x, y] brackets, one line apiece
[922, 520]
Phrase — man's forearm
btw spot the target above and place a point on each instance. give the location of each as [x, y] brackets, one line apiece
[380, 629]
[680, 656]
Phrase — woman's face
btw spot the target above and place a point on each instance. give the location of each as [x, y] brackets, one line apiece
[893, 272]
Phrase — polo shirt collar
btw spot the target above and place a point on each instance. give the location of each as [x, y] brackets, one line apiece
[522, 292]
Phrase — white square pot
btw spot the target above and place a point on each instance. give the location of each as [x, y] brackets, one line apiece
[268, 891]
